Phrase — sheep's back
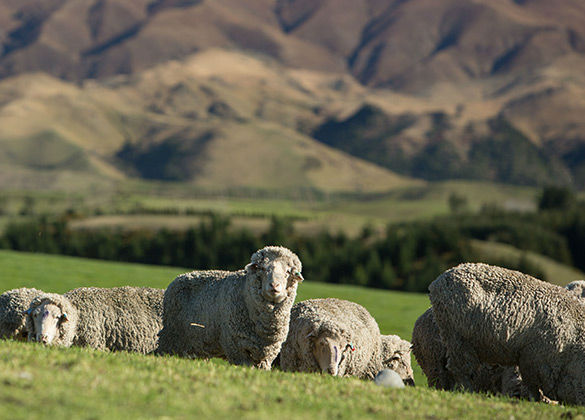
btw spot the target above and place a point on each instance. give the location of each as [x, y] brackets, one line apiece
[489, 305]
[196, 304]
[122, 318]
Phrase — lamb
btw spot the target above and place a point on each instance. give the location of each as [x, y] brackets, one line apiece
[492, 315]
[13, 306]
[121, 318]
[333, 336]
[240, 316]
[431, 354]
[396, 356]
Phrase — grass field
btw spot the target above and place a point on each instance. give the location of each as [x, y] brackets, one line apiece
[38, 382]
[312, 212]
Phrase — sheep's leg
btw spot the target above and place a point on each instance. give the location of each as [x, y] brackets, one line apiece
[264, 365]
[462, 360]
[530, 381]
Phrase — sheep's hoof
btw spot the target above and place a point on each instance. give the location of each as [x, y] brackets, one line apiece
[547, 400]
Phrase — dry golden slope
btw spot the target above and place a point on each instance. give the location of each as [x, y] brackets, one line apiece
[217, 120]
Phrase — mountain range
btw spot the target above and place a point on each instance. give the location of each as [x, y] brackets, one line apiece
[335, 95]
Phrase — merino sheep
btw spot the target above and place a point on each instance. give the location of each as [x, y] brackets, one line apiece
[121, 318]
[431, 354]
[396, 356]
[492, 315]
[577, 288]
[241, 316]
[13, 306]
[334, 336]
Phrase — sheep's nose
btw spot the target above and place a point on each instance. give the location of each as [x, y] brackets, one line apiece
[44, 339]
[274, 287]
[332, 370]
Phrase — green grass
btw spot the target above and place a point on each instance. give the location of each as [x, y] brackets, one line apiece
[39, 382]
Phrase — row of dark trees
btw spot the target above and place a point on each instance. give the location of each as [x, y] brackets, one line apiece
[406, 257]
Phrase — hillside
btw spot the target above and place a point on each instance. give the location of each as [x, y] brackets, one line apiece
[105, 91]
[218, 120]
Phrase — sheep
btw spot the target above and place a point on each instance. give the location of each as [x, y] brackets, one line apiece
[332, 336]
[396, 356]
[13, 306]
[492, 315]
[121, 318]
[577, 288]
[431, 354]
[240, 316]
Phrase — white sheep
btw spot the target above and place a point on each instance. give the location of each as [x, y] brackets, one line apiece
[492, 315]
[333, 336]
[577, 288]
[241, 316]
[431, 355]
[120, 318]
[13, 306]
[396, 356]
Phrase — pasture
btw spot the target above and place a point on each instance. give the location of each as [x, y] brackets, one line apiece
[39, 382]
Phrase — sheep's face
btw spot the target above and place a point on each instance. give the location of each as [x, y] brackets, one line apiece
[277, 277]
[399, 362]
[329, 351]
[46, 319]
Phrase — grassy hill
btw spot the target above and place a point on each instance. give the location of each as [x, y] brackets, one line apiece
[39, 382]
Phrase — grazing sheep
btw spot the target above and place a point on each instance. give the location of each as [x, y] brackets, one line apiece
[121, 318]
[13, 306]
[334, 336]
[577, 288]
[492, 315]
[396, 356]
[431, 354]
[241, 316]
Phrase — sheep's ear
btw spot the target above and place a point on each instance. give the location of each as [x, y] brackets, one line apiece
[298, 276]
[252, 267]
[64, 317]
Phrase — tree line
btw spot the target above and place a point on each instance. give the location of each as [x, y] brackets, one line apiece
[407, 256]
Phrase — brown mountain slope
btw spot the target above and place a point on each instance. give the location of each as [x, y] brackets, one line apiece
[408, 45]
[217, 120]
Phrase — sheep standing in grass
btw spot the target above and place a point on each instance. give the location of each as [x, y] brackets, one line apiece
[121, 318]
[492, 315]
[396, 356]
[241, 316]
[334, 336]
[13, 306]
[431, 354]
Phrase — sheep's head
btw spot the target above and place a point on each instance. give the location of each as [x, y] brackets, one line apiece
[279, 270]
[396, 356]
[330, 350]
[51, 319]
[45, 320]
[577, 288]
